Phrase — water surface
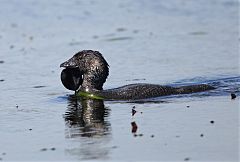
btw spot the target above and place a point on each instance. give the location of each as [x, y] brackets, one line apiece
[161, 42]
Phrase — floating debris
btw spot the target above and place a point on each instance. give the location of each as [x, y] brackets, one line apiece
[118, 39]
[1, 61]
[4, 153]
[212, 122]
[152, 136]
[135, 31]
[187, 159]
[114, 147]
[134, 127]
[2, 80]
[121, 29]
[95, 37]
[53, 149]
[43, 149]
[133, 111]
[136, 135]
[39, 86]
[233, 96]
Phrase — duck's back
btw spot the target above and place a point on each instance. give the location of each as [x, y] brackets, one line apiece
[141, 91]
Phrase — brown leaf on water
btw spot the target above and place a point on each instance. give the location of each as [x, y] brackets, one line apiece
[134, 127]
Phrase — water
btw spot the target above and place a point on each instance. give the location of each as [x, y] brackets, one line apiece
[162, 42]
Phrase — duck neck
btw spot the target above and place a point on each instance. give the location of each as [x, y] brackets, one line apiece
[91, 83]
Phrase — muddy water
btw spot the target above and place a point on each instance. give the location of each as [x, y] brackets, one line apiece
[172, 42]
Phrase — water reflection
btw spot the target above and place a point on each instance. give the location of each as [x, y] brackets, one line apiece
[86, 123]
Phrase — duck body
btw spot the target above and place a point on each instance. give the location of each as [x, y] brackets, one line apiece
[144, 90]
[93, 72]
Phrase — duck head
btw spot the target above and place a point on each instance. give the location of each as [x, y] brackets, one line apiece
[87, 69]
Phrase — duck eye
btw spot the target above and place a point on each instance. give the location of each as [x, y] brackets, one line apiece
[71, 78]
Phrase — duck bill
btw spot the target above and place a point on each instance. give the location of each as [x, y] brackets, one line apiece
[71, 78]
[71, 63]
